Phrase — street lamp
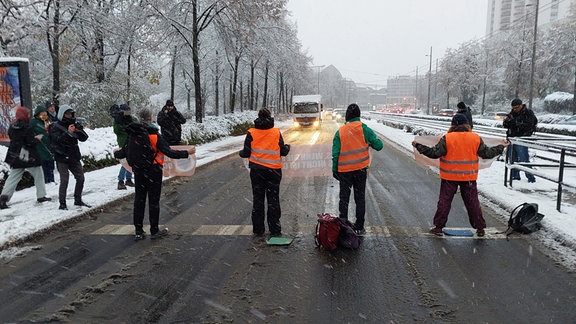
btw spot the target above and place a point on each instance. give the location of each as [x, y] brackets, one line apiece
[533, 55]
[429, 82]
[318, 73]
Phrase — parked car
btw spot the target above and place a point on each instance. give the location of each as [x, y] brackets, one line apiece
[569, 121]
[446, 112]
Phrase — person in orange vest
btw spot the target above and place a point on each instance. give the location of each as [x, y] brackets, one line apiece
[264, 147]
[458, 151]
[350, 163]
[148, 179]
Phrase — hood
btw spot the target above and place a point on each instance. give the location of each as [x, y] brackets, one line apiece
[39, 109]
[264, 123]
[63, 109]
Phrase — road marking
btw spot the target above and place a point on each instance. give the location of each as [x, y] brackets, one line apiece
[307, 229]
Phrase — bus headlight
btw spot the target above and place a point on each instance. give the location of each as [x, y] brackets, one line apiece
[296, 124]
[316, 123]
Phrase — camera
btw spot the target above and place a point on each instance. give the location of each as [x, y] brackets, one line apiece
[78, 125]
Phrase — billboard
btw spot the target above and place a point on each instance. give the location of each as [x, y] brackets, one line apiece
[14, 91]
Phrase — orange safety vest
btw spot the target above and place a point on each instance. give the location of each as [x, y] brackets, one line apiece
[265, 150]
[461, 160]
[159, 158]
[354, 154]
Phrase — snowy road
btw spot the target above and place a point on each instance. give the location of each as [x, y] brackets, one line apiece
[210, 270]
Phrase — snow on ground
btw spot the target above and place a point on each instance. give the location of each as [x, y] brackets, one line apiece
[26, 217]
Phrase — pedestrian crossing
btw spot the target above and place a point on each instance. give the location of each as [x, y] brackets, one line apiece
[308, 229]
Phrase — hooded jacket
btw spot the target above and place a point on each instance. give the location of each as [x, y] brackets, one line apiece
[40, 128]
[264, 130]
[170, 123]
[22, 149]
[65, 144]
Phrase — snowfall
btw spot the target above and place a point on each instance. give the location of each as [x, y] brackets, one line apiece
[25, 216]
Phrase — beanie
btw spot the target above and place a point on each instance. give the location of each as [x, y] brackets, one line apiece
[48, 104]
[353, 111]
[169, 103]
[39, 109]
[264, 113]
[516, 102]
[459, 119]
[461, 105]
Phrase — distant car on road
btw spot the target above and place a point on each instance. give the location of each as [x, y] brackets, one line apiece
[499, 115]
[338, 114]
[446, 112]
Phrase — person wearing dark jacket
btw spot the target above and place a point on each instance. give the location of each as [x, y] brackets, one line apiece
[64, 136]
[264, 147]
[22, 156]
[463, 109]
[521, 121]
[350, 163]
[41, 124]
[458, 151]
[121, 121]
[170, 121]
[148, 180]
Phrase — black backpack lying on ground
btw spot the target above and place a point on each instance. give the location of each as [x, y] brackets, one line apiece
[524, 219]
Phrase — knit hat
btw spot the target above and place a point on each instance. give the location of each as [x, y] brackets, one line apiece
[353, 111]
[169, 103]
[461, 105]
[49, 103]
[516, 102]
[22, 113]
[39, 109]
[144, 114]
[264, 113]
[459, 119]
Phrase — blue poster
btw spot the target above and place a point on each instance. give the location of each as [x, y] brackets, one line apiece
[10, 97]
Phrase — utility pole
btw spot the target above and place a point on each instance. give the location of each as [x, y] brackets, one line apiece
[533, 55]
[429, 83]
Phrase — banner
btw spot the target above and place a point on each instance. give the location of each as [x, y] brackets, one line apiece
[172, 167]
[431, 141]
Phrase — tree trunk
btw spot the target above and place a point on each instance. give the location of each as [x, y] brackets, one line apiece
[265, 94]
[54, 48]
[251, 96]
[173, 74]
[196, 63]
[128, 74]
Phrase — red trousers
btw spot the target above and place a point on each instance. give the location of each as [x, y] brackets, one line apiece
[469, 193]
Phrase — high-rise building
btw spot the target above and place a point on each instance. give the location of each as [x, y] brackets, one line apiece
[504, 15]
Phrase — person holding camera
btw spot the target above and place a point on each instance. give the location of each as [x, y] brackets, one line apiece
[170, 121]
[65, 135]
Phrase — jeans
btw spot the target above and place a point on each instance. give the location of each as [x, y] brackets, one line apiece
[123, 174]
[48, 168]
[519, 153]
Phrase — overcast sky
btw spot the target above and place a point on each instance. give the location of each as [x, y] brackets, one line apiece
[371, 40]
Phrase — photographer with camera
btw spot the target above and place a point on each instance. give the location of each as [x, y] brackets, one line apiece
[65, 134]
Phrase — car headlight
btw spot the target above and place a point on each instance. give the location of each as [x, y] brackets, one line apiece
[296, 124]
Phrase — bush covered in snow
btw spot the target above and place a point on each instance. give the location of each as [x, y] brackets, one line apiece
[559, 102]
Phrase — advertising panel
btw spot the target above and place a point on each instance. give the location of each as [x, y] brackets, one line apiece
[14, 91]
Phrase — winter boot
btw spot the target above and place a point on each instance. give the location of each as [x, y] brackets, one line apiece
[3, 201]
[121, 185]
[129, 183]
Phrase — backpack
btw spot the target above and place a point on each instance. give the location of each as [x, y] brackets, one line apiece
[114, 111]
[524, 219]
[327, 231]
[139, 151]
[348, 237]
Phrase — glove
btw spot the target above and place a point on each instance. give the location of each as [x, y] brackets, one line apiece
[336, 175]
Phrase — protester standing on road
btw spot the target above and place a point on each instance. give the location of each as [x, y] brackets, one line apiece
[458, 151]
[64, 136]
[521, 121]
[122, 119]
[170, 121]
[264, 147]
[149, 179]
[463, 109]
[22, 156]
[41, 124]
[350, 163]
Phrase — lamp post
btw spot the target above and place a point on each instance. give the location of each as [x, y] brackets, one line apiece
[318, 74]
[429, 82]
[533, 55]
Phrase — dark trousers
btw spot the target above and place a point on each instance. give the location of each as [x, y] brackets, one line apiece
[48, 169]
[75, 167]
[357, 180]
[469, 193]
[148, 184]
[266, 185]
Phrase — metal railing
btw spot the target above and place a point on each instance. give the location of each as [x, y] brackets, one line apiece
[557, 153]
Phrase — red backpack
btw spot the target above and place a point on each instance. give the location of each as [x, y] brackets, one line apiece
[327, 231]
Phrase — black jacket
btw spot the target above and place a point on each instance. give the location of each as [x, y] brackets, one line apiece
[22, 137]
[65, 144]
[170, 123]
[522, 123]
[262, 123]
[466, 112]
